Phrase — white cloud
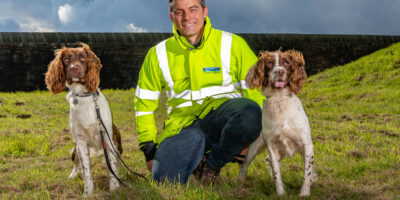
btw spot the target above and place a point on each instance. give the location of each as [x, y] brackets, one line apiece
[34, 25]
[65, 13]
[132, 28]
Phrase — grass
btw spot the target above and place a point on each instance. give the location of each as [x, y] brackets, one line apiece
[355, 120]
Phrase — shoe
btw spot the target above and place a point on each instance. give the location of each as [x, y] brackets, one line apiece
[198, 172]
[209, 175]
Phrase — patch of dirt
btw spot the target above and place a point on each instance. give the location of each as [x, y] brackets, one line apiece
[18, 103]
[345, 117]
[10, 188]
[295, 168]
[29, 186]
[388, 133]
[374, 77]
[356, 154]
[322, 77]
[390, 52]
[62, 139]
[24, 116]
[319, 99]
[396, 64]
[360, 78]
[369, 116]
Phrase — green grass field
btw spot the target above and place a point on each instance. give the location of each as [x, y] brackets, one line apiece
[354, 111]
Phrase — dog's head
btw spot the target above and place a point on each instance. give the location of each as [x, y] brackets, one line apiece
[73, 65]
[278, 70]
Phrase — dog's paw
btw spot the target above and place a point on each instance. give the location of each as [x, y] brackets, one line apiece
[88, 188]
[114, 184]
[74, 174]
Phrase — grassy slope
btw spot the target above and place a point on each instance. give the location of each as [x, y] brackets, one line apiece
[354, 114]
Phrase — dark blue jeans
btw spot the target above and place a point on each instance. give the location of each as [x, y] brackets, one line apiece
[223, 133]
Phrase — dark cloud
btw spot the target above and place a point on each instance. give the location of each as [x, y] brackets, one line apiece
[239, 16]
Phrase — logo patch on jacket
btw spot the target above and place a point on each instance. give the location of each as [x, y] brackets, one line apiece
[211, 69]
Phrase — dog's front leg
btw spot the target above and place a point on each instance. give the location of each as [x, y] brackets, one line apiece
[255, 148]
[114, 184]
[84, 158]
[77, 165]
[309, 174]
[274, 159]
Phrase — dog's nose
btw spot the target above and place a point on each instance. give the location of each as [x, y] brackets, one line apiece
[75, 68]
[279, 72]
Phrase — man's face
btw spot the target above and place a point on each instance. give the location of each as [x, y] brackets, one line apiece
[188, 16]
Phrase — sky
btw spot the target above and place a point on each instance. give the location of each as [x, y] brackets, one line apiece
[366, 17]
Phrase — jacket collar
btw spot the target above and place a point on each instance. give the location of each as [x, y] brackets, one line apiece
[183, 41]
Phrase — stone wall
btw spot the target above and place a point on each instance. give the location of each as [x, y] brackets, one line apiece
[24, 56]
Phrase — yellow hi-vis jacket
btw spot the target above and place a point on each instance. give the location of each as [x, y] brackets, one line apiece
[196, 80]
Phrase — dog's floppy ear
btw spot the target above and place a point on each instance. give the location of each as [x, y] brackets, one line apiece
[257, 76]
[55, 76]
[299, 75]
[93, 72]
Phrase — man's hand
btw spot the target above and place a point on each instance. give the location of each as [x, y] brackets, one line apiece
[242, 156]
[149, 149]
[149, 165]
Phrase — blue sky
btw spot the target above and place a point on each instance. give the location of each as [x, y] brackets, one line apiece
[376, 17]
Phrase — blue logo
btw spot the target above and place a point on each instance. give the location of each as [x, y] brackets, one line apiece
[211, 69]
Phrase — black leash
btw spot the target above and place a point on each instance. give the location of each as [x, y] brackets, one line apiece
[101, 124]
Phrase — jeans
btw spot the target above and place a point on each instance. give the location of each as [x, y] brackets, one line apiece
[223, 133]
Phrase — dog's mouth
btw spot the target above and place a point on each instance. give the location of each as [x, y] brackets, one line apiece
[76, 80]
[280, 84]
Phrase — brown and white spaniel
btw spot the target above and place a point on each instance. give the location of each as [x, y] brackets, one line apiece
[285, 126]
[78, 69]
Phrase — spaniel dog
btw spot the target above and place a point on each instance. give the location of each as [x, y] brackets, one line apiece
[78, 69]
[285, 126]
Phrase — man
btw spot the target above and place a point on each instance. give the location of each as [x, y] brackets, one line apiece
[202, 70]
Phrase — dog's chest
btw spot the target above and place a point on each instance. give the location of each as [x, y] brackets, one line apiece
[83, 119]
[280, 125]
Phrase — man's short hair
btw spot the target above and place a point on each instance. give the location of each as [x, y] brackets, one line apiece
[202, 2]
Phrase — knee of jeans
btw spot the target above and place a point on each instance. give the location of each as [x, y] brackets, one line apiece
[252, 115]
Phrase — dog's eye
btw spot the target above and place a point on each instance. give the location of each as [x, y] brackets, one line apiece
[66, 59]
[286, 63]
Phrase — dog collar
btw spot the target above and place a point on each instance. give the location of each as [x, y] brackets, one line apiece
[80, 95]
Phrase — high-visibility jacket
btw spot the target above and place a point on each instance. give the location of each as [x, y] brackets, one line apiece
[196, 79]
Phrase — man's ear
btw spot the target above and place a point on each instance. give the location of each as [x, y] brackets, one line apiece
[205, 12]
[171, 17]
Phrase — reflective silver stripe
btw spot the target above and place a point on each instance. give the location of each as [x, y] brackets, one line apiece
[139, 113]
[185, 104]
[226, 43]
[214, 90]
[229, 95]
[244, 85]
[184, 95]
[227, 86]
[147, 94]
[161, 50]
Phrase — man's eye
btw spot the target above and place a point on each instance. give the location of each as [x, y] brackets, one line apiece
[178, 13]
